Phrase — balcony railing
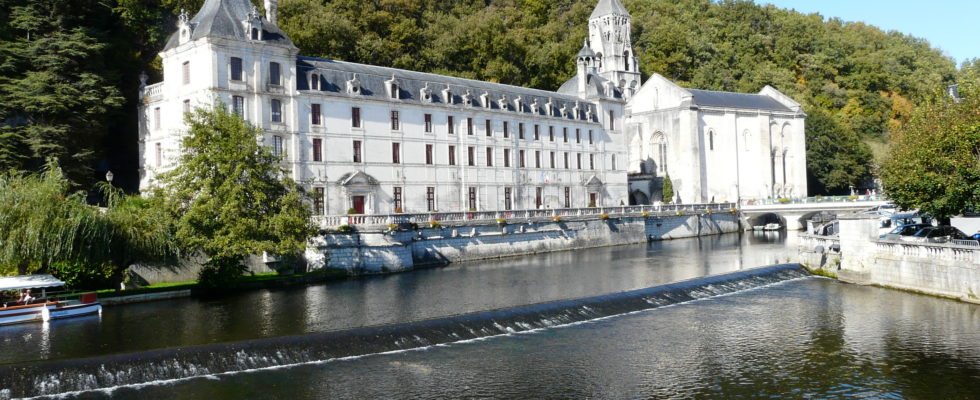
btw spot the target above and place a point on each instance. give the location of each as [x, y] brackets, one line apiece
[815, 199]
[465, 217]
[153, 92]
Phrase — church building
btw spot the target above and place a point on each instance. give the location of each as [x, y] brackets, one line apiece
[379, 140]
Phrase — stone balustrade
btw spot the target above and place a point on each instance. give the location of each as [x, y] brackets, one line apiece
[931, 251]
[468, 217]
[153, 92]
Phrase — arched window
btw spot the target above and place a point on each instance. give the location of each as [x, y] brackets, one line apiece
[626, 60]
[660, 146]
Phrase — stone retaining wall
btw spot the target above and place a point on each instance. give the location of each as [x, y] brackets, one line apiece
[377, 251]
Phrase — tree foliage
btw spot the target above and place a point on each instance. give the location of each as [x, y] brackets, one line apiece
[230, 198]
[837, 159]
[45, 226]
[934, 164]
[668, 189]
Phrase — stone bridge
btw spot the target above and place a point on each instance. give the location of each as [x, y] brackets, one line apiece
[794, 214]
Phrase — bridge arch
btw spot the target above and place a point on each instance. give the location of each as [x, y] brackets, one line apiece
[766, 218]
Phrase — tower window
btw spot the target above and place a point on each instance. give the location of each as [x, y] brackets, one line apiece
[357, 151]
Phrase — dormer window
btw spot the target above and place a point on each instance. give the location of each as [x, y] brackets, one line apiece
[185, 26]
[564, 111]
[426, 94]
[392, 86]
[535, 108]
[253, 24]
[576, 111]
[314, 81]
[588, 114]
[447, 95]
[354, 85]
[519, 104]
[502, 103]
[255, 33]
[485, 100]
[549, 108]
[467, 98]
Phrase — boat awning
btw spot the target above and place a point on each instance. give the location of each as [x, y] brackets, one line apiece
[29, 282]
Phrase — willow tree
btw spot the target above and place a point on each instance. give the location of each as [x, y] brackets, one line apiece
[47, 227]
[934, 164]
[230, 198]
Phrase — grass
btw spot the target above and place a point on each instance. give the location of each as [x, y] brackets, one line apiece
[330, 274]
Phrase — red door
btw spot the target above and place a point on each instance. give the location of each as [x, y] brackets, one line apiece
[358, 203]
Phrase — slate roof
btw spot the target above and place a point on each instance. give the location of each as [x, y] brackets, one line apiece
[595, 85]
[736, 100]
[606, 7]
[334, 75]
[224, 18]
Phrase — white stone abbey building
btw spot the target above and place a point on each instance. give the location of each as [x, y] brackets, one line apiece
[380, 140]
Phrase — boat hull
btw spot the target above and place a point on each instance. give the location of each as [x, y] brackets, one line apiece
[77, 310]
[24, 314]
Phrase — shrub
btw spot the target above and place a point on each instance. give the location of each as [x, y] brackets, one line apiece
[784, 200]
[556, 218]
[853, 197]
[345, 228]
[604, 216]
[645, 214]
[501, 221]
[82, 276]
[220, 273]
[434, 224]
[591, 204]
[351, 211]
[392, 227]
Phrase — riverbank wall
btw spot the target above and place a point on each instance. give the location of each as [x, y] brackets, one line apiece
[858, 256]
[377, 250]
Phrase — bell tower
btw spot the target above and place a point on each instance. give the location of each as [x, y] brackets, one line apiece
[609, 38]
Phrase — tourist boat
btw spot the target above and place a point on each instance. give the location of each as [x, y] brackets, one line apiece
[42, 309]
[772, 226]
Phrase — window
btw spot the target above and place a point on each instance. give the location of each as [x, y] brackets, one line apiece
[537, 159]
[564, 134]
[317, 149]
[394, 90]
[520, 130]
[537, 132]
[471, 156]
[568, 197]
[430, 198]
[612, 120]
[578, 158]
[187, 106]
[552, 159]
[185, 70]
[469, 126]
[452, 155]
[711, 140]
[355, 117]
[396, 150]
[507, 198]
[159, 154]
[397, 198]
[357, 151]
[551, 133]
[489, 156]
[236, 69]
[520, 158]
[506, 130]
[506, 157]
[275, 74]
[277, 145]
[565, 157]
[592, 161]
[395, 125]
[537, 197]
[238, 105]
[156, 118]
[449, 125]
[613, 162]
[428, 154]
[315, 114]
[472, 198]
[428, 123]
[318, 196]
[276, 110]
[590, 136]
[255, 34]
[578, 135]
[489, 128]
[315, 82]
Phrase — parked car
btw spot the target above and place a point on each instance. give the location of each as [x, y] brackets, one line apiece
[937, 234]
[890, 222]
[903, 230]
[976, 236]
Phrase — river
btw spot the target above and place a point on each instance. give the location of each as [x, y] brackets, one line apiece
[795, 336]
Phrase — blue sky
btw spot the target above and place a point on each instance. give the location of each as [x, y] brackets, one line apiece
[951, 25]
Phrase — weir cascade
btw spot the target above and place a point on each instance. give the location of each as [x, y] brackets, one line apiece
[94, 373]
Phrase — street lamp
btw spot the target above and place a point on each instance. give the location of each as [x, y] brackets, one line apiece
[108, 176]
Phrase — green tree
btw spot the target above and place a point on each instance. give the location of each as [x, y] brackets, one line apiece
[836, 158]
[230, 198]
[47, 227]
[55, 94]
[668, 189]
[933, 163]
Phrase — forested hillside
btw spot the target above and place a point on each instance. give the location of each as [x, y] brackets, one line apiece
[856, 81]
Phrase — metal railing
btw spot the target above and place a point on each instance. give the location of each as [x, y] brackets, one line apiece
[515, 215]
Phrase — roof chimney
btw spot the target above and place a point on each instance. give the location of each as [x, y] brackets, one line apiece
[272, 10]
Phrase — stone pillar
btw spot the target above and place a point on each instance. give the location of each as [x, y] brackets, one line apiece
[857, 247]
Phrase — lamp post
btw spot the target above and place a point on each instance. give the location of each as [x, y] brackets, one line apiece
[108, 176]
